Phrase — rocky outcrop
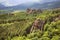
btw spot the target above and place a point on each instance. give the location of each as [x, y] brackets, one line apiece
[33, 11]
[38, 24]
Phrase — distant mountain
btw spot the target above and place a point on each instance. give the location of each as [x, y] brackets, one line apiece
[54, 4]
[48, 5]
[2, 6]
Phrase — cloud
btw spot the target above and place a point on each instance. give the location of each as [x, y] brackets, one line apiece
[16, 2]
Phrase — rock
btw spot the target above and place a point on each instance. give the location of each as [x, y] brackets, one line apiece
[38, 24]
[29, 11]
[33, 11]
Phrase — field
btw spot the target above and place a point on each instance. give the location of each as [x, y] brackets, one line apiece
[16, 25]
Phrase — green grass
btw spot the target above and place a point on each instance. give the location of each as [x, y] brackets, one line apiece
[13, 27]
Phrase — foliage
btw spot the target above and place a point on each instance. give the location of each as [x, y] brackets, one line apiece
[13, 26]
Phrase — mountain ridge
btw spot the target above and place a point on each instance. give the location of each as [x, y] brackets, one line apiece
[48, 5]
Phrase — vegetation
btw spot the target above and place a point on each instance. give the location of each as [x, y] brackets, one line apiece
[13, 26]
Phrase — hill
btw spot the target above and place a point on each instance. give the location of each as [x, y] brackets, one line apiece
[17, 25]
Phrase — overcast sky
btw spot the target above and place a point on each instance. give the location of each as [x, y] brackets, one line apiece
[17, 2]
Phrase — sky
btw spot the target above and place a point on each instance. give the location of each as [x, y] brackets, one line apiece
[17, 2]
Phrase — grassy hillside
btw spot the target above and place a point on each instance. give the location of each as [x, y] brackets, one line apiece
[14, 26]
